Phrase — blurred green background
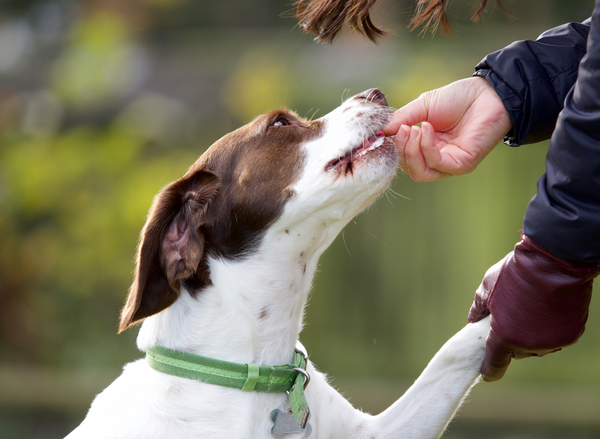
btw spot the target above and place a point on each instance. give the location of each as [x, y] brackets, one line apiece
[102, 102]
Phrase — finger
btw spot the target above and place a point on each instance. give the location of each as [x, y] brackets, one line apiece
[416, 161]
[437, 157]
[430, 151]
[400, 140]
[412, 153]
[411, 114]
[497, 358]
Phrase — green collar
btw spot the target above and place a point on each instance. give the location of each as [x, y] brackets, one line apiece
[291, 378]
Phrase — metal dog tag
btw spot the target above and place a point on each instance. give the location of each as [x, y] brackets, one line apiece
[286, 423]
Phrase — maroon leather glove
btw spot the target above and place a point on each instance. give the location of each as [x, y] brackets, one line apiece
[538, 305]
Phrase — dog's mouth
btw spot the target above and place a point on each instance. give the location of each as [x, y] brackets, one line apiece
[346, 162]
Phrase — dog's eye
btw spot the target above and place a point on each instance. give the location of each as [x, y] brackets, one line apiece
[280, 122]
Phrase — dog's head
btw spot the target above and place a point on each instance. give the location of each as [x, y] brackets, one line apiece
[279, 169]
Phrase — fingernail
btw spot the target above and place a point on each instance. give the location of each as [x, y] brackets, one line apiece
[414, 133]
[402, 134]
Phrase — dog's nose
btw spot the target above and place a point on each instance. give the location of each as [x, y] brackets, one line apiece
[373, 95]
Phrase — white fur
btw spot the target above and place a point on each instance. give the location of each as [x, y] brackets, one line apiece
[253, 312]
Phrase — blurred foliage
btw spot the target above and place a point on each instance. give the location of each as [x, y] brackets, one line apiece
[252, 88]
[96, 65]
[102, 102]
[71, 211]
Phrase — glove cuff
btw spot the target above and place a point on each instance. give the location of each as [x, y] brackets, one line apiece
[532, 271]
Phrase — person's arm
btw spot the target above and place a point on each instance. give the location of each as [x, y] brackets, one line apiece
[564, 215]
[533, 78]
[538, 296]
[463, 121]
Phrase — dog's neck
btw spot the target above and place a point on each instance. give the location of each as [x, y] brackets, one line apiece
[253, 310]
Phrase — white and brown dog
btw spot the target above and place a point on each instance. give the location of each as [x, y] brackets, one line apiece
[224, 268]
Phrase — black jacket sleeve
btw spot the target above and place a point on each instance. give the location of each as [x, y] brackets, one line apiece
[564, 215]
[534, 77]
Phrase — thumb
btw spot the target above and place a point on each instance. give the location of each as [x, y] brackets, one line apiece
[411, 114]
[497, 358]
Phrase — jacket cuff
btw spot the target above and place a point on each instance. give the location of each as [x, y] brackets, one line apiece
[512, 103]
[533, 78]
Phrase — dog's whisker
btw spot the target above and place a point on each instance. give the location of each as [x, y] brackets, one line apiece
[369, 233]
[397, 194]
[387, 196]
[346, 244]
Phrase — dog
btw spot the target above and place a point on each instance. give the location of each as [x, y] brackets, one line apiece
[224, 266]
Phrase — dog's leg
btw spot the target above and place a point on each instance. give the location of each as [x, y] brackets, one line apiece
[425, 410]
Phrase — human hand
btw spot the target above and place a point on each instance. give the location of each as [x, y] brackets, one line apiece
[538, 305]
[461, 123]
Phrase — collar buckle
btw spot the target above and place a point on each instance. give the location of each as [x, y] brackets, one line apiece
[305, 374]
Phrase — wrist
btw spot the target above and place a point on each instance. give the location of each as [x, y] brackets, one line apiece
[496, 104]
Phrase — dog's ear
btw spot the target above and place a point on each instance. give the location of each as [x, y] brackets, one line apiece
[171, 245]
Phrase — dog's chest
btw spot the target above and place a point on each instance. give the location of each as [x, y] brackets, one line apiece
[168, 406]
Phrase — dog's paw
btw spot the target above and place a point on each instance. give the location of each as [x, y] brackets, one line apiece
[480, 329]
[469, 342]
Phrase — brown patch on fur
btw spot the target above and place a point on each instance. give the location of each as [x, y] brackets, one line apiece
[264, 313]
[289, 193]
[270, 158]
[222, 206]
